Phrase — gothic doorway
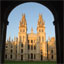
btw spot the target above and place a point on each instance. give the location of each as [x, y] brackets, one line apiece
[41, 57]
[21, 57]
[31, 56]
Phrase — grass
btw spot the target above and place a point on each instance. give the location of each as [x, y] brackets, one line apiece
[30, 62]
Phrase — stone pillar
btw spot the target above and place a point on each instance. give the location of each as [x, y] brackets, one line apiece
[59, 41]
[3, 40]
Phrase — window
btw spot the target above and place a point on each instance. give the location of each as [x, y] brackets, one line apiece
[31, 47]
[34, 47]
[31, 41]
[22, 45]
[21, 50]
[28, 47]
[11, 51]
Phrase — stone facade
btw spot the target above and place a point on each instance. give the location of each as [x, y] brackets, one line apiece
[31, 47]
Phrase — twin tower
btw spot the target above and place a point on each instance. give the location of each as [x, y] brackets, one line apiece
[32, 46]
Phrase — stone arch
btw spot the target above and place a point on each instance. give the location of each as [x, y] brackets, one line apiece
[10, 5]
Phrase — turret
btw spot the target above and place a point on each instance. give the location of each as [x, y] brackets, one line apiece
[22, 28]
[42, 37]
[41, 28]
[22, 37]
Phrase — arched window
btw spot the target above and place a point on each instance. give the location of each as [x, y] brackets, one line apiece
[34, 47]
[31, 47]
[21, 44]
[31, 41]
[28, 46]
[11, 50]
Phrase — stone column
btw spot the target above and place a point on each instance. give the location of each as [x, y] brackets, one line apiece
[3, 40]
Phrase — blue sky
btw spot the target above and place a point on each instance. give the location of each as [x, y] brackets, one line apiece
[32, 11]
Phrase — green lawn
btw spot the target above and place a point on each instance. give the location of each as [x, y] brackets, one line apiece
[29, 62]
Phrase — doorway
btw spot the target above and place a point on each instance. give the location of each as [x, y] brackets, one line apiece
[21, 57]
[41, 57]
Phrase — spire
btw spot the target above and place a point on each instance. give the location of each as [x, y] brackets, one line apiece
[40, 21]
[31, 30]
[40, 16]
[23, 21]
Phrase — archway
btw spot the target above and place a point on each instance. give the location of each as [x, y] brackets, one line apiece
[55, 18]
[47, 18]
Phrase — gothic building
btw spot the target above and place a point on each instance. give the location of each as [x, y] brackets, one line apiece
[31, 47]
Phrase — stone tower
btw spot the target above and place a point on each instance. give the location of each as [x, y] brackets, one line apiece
[22, 39]
[42, 38]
